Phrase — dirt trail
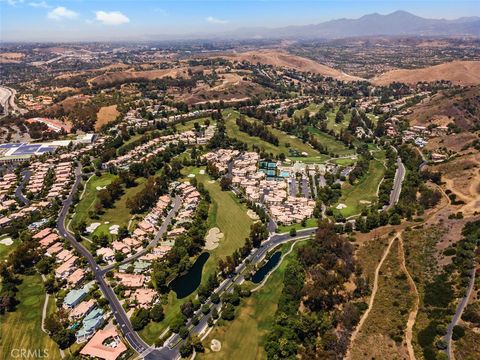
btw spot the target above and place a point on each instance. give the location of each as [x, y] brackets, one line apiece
[413, 313]
[372, 297]
[412, 316]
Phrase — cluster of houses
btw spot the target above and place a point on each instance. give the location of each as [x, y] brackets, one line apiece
[84, 314]
[144, 231]
[280, 106]
[39, 171]
[157, 145]
[134, 277]
[134, 120]
[7, 183]
[63, 175]
[263, 187]
[6, 220]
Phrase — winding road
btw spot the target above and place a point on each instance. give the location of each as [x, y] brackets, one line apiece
[170, 349]
[458, 314]
[19, 190]
[177, 203]
[135, 341]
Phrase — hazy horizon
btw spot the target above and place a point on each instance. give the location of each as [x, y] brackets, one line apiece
[128, 20]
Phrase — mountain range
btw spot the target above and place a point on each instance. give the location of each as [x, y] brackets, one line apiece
[398, 23]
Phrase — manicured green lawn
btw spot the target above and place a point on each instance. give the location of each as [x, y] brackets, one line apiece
[6, 250]
[312, 109]
[153, 330]
[230, 216]
[320, 159]
[118, 214]
[189, 125]
[373, 118]
[331, 125]
[89, 197]
[332, 144]
[364, 190]
[294, 143]
[286, 228]
[243, 338]
[22, 329]
[344, 161]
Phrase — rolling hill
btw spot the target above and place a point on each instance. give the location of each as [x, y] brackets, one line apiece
[458, 72]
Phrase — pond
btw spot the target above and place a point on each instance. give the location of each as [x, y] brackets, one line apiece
[265, 269]
[186, 284]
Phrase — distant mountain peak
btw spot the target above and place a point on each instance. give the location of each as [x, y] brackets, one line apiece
[397, 23]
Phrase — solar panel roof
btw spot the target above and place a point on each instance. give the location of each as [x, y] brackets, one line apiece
[10, 145]
[27, 150]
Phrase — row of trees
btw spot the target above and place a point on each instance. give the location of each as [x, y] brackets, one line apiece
[255, 128]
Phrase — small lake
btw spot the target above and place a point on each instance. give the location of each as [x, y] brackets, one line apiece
[265, 269]
[186, 284]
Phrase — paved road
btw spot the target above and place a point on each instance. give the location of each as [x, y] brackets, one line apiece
[255, 257]
[7, 100]
[121, 317]
[19, 190]
[397, 183]
[458, 315]
[177, 203]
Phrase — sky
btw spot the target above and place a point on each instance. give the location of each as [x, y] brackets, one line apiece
[80, 20]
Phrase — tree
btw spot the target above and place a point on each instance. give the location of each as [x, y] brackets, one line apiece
[156, 313]
[228, 312]
[64, 338]
[186, 349]
[258, 233]
[52, 324]
[140, 319]
[293, 232]
[215, 298]
[225, 183]
[187, 309]
[197, 344]
[183, 332]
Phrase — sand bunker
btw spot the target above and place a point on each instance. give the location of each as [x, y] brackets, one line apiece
[366, 202]
[100, 188]
[191, 175]
[252, 215]
[212, 239]
[92, 227]
[114, 229]
[341, 206]
[202, 172]
[7, 241]
[215, 345]
[211, 181]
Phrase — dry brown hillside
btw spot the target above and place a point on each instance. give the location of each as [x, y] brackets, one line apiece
[458, 72]
[123, 76]
[460, 106]
[283, 59]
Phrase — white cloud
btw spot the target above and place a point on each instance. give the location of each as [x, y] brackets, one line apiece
[213, 20]
[60, 13]
[40, 4]
[111, 18]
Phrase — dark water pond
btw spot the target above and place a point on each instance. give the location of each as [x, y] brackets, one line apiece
[186, 284]
[265, 269]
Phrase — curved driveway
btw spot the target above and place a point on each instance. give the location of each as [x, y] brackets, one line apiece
[19, 190]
